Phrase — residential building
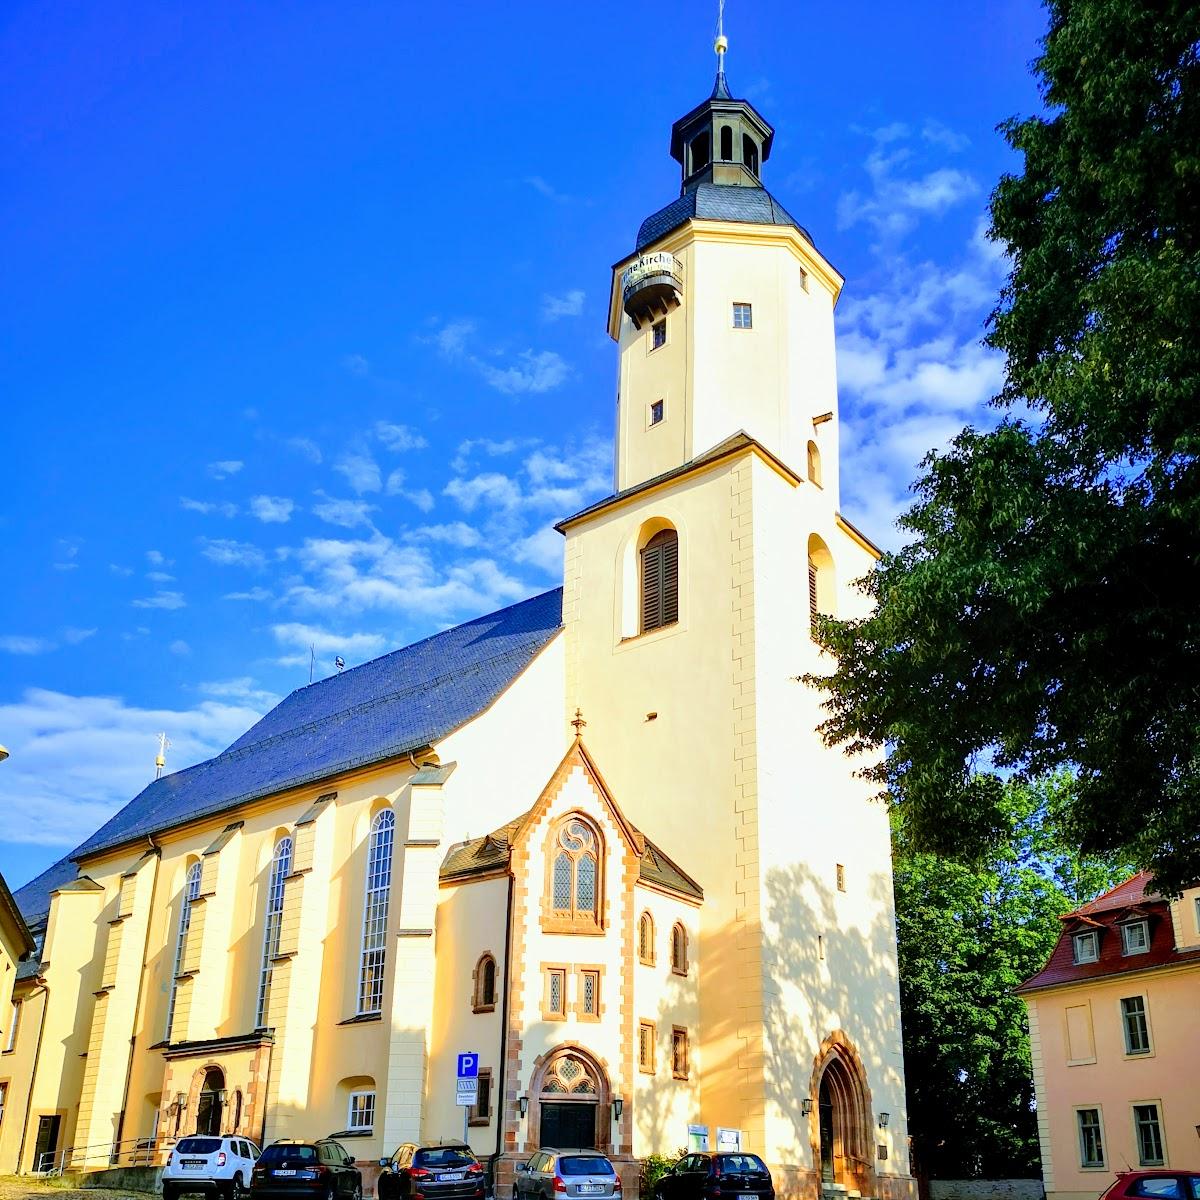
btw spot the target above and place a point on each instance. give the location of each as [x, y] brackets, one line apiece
[593, 839]
[1113, 1021]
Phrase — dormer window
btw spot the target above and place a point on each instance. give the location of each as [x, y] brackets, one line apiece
[1135, 938]
[1086, 947]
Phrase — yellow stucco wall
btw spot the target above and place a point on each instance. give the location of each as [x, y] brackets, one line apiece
[1070, 1074]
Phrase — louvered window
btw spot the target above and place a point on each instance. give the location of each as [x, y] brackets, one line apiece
[812, 595]
[660, 581]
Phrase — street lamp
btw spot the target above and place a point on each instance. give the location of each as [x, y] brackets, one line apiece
[806, 1106]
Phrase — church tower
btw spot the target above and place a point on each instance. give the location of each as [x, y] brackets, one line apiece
[687, 604]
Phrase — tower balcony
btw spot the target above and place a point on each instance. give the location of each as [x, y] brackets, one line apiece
[651, 286]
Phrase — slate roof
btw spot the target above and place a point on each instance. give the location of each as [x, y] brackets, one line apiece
[388, 707]
[481, 856]
[717, 202]
[16, 919]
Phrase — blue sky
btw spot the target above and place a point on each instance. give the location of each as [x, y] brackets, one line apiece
[302, 321]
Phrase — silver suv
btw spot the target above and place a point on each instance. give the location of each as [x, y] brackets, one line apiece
[218, 1165]
[559, 1174]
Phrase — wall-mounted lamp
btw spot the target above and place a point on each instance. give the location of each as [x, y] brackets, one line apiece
[806, 1106]
[884, 1118]
[523, 1104]
[180, 1100]
[221, 1096]
[618, 1107]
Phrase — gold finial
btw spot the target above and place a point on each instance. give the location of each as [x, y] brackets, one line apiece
[579, 723]
[722, 42]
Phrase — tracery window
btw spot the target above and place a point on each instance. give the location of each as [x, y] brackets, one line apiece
[575, 886]
[646, 939]
[281, 865]
[191, 890]
[375, 912]
[568, 1076]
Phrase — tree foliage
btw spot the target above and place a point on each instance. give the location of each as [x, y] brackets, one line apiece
[967, 937]
[1045, 612]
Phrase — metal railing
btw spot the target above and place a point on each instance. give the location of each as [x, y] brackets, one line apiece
[131, 1152]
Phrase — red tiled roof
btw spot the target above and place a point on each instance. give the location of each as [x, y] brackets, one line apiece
[1103, 915]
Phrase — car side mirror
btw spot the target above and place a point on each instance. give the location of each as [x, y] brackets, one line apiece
[522, 1167]
[385, 1162]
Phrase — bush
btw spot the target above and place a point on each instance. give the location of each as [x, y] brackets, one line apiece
[654, 1167]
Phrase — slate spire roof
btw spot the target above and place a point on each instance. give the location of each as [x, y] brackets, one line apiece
[385, 708]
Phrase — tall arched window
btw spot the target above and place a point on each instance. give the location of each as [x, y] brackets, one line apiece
[485, 984]
[191, 889]
[726, 144]
[646, 939]
[660, 580]
[814, 463]
[820, 579]
[700, 148]
[750, 153]
[679, 962]
[375, 912]
[575, 885]
[281, 865]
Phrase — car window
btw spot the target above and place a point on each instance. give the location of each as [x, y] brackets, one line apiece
[535, 1163]
[1161, 1186]
[584, 1164]
[742, 1162]
[443, 1156]
[285, 1153]
[199, 1145]
[252, 1150]
[1194, 1182]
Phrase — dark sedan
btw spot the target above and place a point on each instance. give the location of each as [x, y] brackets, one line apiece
[433, 1171]
[305, 1171]
[716, 1177]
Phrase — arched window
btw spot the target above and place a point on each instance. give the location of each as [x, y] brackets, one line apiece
[820, 579]
[574, 853]
[750, 153]
[726, 144]
[660, 580]
[375, 912]
[679, 962]
[191, 889]
[814, 464]
[699, 146]
[485, 984]
[281, 865]
[646, 939]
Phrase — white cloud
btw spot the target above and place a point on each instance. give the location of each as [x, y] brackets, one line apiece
[349, 514]
[255, 593]
[162, 599]
[224, 508]
[180, 647]
[160, 577]
[456, 533]
[230, 553]
[245, 687]
[569, 304]
[548, 190]
[122, 572]
[497, 489]
[73, 635]
[399, 438]
[940, 135]
[322, 642]
[77, 759]
[272, 509]
[543, 549]
[356, 364]
[453, 337]
[225, 468]
[305, 447]
[156, 558]
[539, 371]
[360, 470]
[16, 643]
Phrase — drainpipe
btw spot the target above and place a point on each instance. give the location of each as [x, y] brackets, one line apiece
[502, 1105]
[37, 1053]
[137, 1008]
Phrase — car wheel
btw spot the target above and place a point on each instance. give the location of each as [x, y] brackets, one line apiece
[329, 1192]
[169, 1192]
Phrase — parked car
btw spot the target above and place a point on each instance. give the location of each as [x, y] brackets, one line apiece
[220, 1165]
[432, 1171]
[290, 1169]
[1159, 1184]
[716, 1177]
[552, 1174]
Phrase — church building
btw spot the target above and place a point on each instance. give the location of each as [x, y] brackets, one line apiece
[592, 840]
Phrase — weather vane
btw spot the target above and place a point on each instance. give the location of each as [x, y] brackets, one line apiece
[722, 42]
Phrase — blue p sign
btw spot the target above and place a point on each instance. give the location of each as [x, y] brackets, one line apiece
[468, 1066]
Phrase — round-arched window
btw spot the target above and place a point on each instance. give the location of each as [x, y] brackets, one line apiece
[575, 885]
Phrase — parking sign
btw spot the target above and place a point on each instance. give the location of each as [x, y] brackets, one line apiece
[468, 1066]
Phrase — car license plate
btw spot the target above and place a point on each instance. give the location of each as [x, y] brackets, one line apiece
[748, 1196]
[590, 1189]
[192, 1164]
[285, 1172]
[451, 1176]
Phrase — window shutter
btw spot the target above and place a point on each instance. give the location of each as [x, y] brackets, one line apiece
[651, 588]
[660, 581]
[670, 581]
[812, 595]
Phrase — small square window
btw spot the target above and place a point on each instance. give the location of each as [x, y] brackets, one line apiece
[743, 318]
[646, 1047]
[1135, 938]
[656, 412]
[658, 334]
[1086, 947]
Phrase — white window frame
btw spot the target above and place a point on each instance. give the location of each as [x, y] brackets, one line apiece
[1162, 1133]
[1077, 938]
[191, 891]
[377, 893]
[1084, 1165]
[651, 423]
[1127, 929]
[281, 866]
[661, 323]
[14, 1025]
[1197, 906]
[1149, 1050]
[738, 306]
[363, 1094]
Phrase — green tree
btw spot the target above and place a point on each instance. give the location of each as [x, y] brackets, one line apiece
[967, 936]
[1045, 612]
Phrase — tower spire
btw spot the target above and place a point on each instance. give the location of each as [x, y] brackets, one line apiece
[720, 45]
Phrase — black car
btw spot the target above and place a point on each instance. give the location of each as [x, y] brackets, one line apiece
[306, 1169]
[433, 1171]
[716, 1177]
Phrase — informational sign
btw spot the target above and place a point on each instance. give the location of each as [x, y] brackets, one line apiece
[697, 1139]
[650, 266]
[728, 1140]
[468, 1080]
[467, 1092]
[468, 1066]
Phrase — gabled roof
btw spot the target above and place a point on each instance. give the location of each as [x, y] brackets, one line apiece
[34, 902]
[386, 708]
[717, 202]
[1137, 890]
[491, 853]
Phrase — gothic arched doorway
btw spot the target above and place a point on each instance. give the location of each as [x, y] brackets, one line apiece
[212, 1101]
[572, 1102]
[843, 1133]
